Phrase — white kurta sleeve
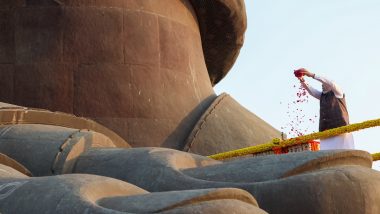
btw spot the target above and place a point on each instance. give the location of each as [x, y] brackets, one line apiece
[312, 91]
[332, 86]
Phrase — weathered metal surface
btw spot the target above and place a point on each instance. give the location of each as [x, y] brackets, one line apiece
[81, 193]
[145, 69]
[222, 24]
[46, 150]
[12, 114]
[225, 126]
[7, 161]
[307, 182]
[137, 67]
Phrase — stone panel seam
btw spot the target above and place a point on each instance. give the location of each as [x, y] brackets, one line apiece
[15, 115]
[58, 159]
[159, 42]
[201, 123]
[59, 2]
[5, 130]
[14, 55]
[110, 63]
[123, 34]
[307, 167]
[161, 16]
[359, 184]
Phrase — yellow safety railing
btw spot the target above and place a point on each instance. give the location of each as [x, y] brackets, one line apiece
[298, 140]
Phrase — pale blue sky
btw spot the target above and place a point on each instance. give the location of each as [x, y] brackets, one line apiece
[339, 39]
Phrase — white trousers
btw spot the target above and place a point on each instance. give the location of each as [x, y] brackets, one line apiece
[343, 141]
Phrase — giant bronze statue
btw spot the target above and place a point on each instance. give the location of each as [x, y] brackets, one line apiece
[143, 68]
[138, 76]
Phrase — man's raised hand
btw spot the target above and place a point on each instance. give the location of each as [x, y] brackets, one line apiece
[305, 72]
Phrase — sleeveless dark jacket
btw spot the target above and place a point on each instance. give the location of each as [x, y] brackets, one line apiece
[333, 111]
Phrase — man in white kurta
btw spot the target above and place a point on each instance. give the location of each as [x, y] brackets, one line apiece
[333, 110]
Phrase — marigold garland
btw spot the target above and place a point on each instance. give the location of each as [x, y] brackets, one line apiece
[376, 156]
[298, 140]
